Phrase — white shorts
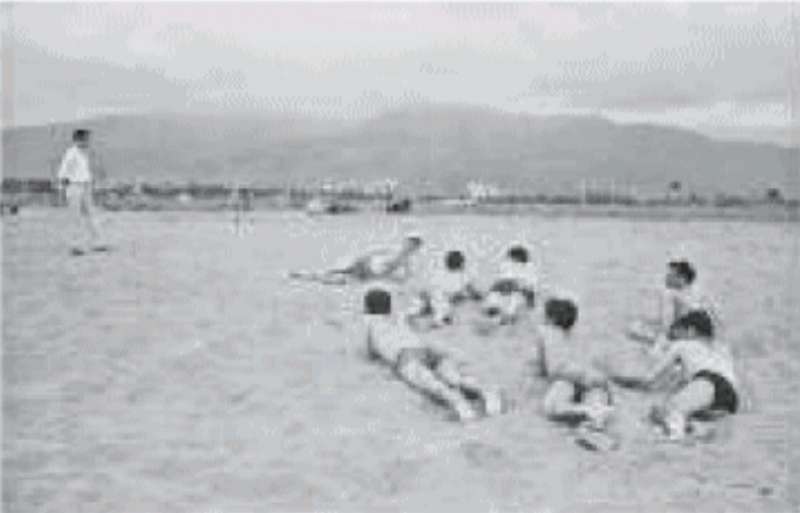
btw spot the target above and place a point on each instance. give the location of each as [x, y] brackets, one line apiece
[79, 196]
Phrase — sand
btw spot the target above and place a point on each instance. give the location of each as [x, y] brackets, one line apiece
[183, 373]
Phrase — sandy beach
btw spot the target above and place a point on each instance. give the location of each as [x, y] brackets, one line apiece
[182, 372]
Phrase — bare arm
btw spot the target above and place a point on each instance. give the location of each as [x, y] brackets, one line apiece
[63, 171]
[666, 310]
[660, 368]
[660, 346]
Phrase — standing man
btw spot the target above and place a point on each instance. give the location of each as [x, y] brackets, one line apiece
[75, 177]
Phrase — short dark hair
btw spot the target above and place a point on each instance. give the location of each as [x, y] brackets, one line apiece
[80, 134]
[698, 320]
[518, 253]
[454, 260]
[377, 302]
[684, 269]
[561, 312]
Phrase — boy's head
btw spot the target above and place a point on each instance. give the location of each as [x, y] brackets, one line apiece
[518, 254]
[680, 274]
[377, 302]
[562, 313]
[454, 260]
[695, 324]
[81, 137]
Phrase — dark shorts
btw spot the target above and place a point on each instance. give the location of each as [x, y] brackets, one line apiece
[725, 397]
[507, 286]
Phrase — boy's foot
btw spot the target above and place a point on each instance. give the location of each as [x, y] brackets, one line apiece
[675, 426]
[594, 439]
[597, 416]
[493, 403]
[77, 252]
[101, 248]
[465, 412]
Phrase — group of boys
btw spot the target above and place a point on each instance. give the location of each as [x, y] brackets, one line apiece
[684, 342]
[683, 345]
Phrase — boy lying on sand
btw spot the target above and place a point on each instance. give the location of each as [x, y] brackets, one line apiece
[514, 290]
[446, 290]
[383, 263]
[420, 365]
[681, 294]
[708, 380]
[578, 392]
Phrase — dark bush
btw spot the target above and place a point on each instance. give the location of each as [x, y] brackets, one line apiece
[399, 206]
[774, 195]
[726, 200]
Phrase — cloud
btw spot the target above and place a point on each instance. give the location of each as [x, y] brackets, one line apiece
[632, 57]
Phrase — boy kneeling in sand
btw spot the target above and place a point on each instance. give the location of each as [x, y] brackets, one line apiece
[383, 263]
[446, 290]
[578, 392]
[420, 365]
[514, 290]
[709, 384]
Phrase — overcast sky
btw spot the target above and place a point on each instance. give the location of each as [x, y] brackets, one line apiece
[694, 65]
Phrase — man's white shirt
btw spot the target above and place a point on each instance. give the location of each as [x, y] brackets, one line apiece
[75, 166]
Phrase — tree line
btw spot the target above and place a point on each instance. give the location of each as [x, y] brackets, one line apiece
[297, 195]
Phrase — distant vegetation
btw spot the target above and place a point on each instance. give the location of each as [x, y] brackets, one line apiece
[210, 196]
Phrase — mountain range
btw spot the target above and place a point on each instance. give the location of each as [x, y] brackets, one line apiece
[426, 148]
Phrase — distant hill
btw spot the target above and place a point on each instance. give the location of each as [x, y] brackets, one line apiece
[428, 147]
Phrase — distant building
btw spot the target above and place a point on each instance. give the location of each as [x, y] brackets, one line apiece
[478, 191]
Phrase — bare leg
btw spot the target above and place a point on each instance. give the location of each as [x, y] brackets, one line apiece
[696, 396]
[644, 330]
[449, 371]
[331, 277]
[89, 216]
[513, 307]
[418, 376]
[75, 196]
[598, 404]
[559, 403]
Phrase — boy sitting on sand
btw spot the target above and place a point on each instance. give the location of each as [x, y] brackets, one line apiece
[420, 365]
[681, 294]
[447, 289]
[708, 378]
[514, 290]
[578, 392]
[383, 263]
